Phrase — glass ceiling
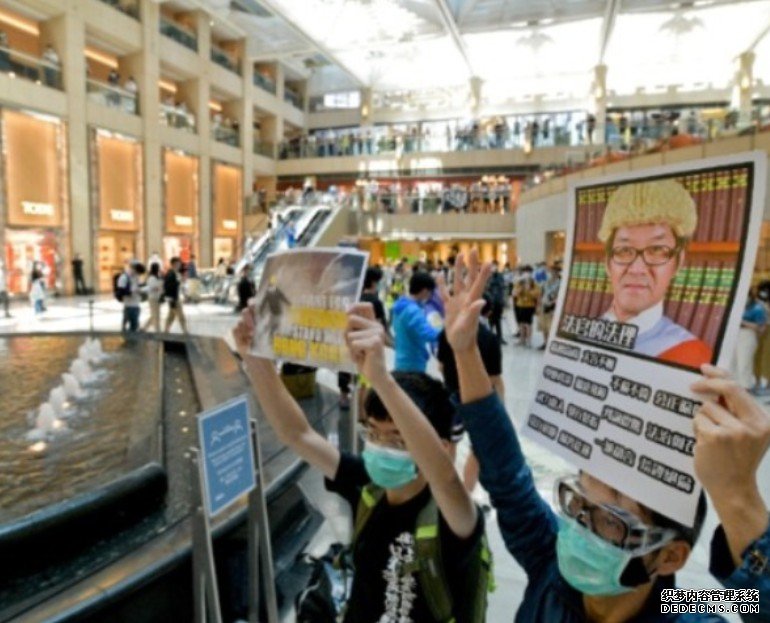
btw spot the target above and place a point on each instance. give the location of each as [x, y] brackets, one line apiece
[408, 45]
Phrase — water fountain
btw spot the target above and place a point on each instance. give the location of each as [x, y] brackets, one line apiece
[72, 387]
[82, 371]
[58, 400]
[88, 491]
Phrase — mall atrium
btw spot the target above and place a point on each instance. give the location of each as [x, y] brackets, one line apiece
[217, 132]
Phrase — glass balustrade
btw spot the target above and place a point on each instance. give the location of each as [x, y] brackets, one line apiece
[179, 33]
[112, 96]
[264, 148]
[176, 117]
[264, 82]
[293, 98]
[223, 59]
[27, 67]
[129, 7]
[229, 136]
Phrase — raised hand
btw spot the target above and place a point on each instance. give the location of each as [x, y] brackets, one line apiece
[732, 435]
[365, 337]
[243, 333]
[463, 306]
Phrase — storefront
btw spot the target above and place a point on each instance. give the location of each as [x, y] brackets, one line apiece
[392, 251]
[117, 199]
[33, 202]
[180, 180]
[227, 201]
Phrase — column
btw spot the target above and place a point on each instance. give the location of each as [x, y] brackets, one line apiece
[145, 67]
[476, 84]
[367, 107]
[598, 103]
[66, 33]
[743, 88]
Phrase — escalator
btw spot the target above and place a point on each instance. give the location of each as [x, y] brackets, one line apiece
[308, 222]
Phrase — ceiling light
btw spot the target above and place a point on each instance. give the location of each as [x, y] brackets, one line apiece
[19, 22]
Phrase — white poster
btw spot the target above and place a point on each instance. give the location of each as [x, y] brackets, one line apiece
[657, 272]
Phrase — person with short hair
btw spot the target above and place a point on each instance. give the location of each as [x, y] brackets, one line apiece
[4, 297]
[413, 333]
[172, 292]
[246, 288]
[602, 555]
[645, 229]
[153, 287]
[128, 285]
[405, 468]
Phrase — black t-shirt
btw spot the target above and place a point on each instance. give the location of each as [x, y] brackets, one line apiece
[491, 355]
[379, 308]
[379, 595]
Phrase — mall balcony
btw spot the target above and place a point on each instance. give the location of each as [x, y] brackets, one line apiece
[179, 32]
[225, 59]
[127, 7]
[293, 98]
[177, 117]
[264, 80]
[264, 148]
[112, 96]
[227, 135]
[21, 65]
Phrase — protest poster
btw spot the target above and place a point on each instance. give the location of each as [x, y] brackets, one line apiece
[301, 306]
[657, 271]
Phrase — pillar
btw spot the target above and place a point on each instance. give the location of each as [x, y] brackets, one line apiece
[598, 103]
[743, 88]
[475, 105]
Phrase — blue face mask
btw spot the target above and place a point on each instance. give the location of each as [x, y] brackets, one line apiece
[588, 563]
[387, 467]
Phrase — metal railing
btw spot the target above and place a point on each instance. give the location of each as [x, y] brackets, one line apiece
[129, 7]
[35, 69]
[112, 96]
[223, 134]
[264, 82]
[264, 148]
[223, 59]
[293, 98]
[173, 117]
[179, 33]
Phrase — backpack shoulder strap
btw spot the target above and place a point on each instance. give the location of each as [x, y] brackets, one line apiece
[433, 578]
[370, 496]
[435, 586]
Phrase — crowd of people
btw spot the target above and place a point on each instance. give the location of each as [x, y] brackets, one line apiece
[418, 547]
[156, 285]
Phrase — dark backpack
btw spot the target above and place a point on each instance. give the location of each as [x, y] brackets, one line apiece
[117, 290]
[328, 591]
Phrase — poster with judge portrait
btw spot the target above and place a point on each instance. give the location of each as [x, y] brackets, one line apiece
[657, 272]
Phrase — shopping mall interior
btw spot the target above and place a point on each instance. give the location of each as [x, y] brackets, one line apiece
[222, 131]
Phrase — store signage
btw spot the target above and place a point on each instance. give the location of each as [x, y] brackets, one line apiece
[183, 221]
[230, 224]
[37, 209]
[122, 216]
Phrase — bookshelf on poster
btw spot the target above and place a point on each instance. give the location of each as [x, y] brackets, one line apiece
[659, 267]
[301, 306]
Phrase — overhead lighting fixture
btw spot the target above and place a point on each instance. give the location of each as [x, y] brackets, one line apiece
[167, 86]
[100, 57]
[680, 24]
[216, 106]
[20, 23]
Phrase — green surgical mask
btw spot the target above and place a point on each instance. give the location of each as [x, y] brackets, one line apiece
[588, 563]
[387, 467]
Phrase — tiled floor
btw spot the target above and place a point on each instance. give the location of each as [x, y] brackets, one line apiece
[520, 366]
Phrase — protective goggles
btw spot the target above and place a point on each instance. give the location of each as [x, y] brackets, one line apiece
[615, 525]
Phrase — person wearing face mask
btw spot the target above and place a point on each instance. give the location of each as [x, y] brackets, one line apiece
[404, 475]
[603, 556]
[411, 329]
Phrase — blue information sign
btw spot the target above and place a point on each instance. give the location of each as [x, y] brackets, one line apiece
[227, 454]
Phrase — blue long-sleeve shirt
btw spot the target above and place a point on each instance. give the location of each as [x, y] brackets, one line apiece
[412, 333]
[529, 527]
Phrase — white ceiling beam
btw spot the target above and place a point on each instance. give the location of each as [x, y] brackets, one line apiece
[320, 47]
[611, 10]
[266, 57]
[758, 39]
[451, 27]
